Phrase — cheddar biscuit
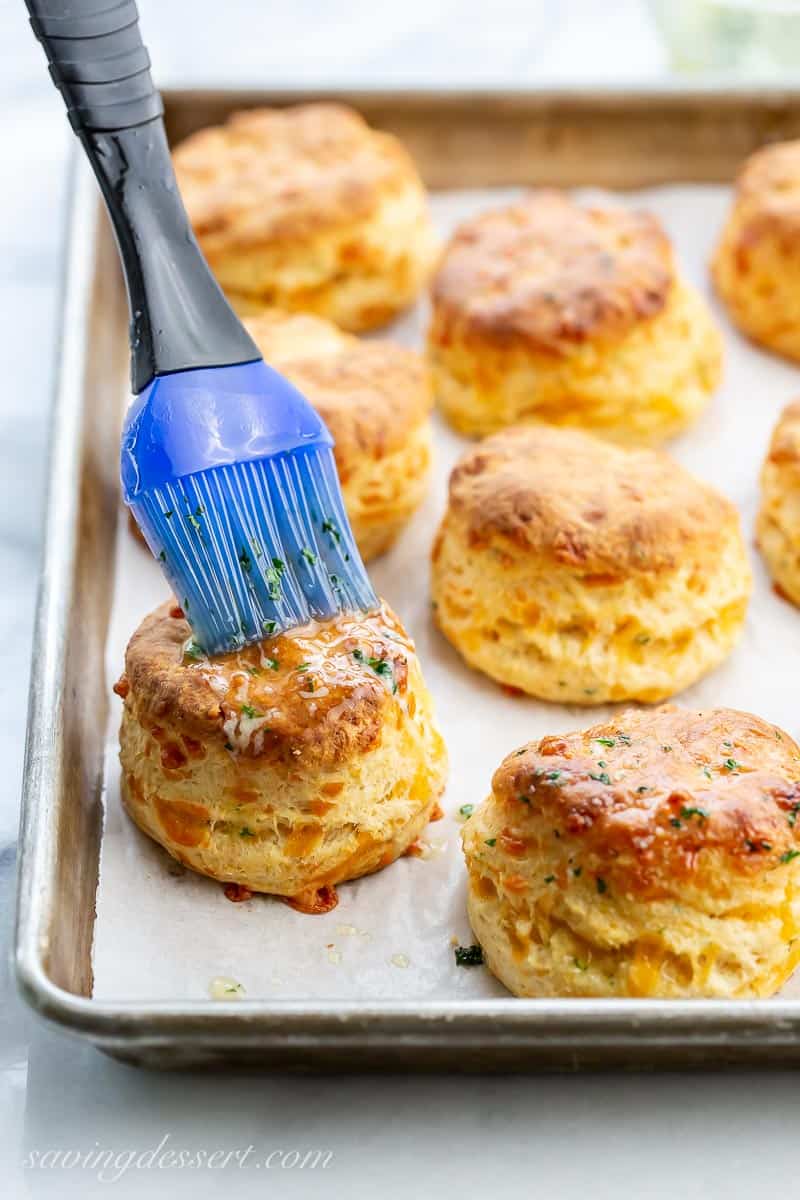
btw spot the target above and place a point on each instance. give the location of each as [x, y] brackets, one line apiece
[579, 571]
[546, 311]
[653, 855]
[778, 525]
[375, 398]
[308, 209]
[287, 767]
[756, 266]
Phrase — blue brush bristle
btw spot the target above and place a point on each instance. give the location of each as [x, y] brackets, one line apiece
[255, 548]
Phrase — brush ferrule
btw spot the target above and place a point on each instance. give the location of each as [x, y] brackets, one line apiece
[192, 421]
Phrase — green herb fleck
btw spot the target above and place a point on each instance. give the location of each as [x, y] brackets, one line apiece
[308, 555]
[549, 878]
[707, 773]
[273, 664]
[192, 650]
[731, 764]
[582, 966]
[491, 841]
[245, 832]
[245, 561]
[468, 956]
[303, 667]
[162, 557]
[623, 739]
[466, 810]
[169, 512]
[690, 811]
[268, 627]
[606, 741]
[788, 856]
[675, 822]
[329, 526]
[603, 777]
[247, 710]
[643, 787]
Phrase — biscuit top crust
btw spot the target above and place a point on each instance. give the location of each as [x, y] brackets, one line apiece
[768, 185]
[592, 507]
[784, 446]
[277, 175]
[642, 795]
[371, 395]
[319, 693]
[548, 274]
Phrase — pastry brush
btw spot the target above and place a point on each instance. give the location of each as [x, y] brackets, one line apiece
[226, 467]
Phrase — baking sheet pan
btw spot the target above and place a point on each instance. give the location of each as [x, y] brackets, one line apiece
[374, 981]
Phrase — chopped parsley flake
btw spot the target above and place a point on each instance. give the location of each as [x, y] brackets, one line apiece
[788, 856]
[254, 670]
[466, 810]
[623, 739]
[675, 822]
[273, 664]
[329, 526]
[468, 956]
[303, 667]
[491, 841]
[603, 777]
[605, 741]
[582, 966]
[308, 555]
[192, 650]
[162, 557]
[268, 627]
[247, 710]
[707, 773]
[731, 764]
[690, 811]
[169, 512]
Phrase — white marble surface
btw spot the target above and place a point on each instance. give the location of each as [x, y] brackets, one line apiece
[661, 1136]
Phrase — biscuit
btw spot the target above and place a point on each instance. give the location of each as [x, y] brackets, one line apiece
[288, 767]
[756, 265]
[778, 523]
[375, 398]
[546, 311]
[652, 855]
[579, 571]
[308, 209]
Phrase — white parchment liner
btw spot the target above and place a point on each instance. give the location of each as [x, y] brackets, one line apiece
[164, 936]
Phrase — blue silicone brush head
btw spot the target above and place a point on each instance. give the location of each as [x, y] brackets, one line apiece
[230, 475]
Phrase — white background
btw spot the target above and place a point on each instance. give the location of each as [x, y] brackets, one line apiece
[603, 1136]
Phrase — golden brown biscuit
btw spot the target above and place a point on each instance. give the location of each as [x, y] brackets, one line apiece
[653, 855]
[547, 311]
[308, 209]
[778, 525]
[580, 571]
[756, 267]
[288, 767]
[375, 398]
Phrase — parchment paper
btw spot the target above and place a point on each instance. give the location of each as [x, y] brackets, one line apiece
[162, 935]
